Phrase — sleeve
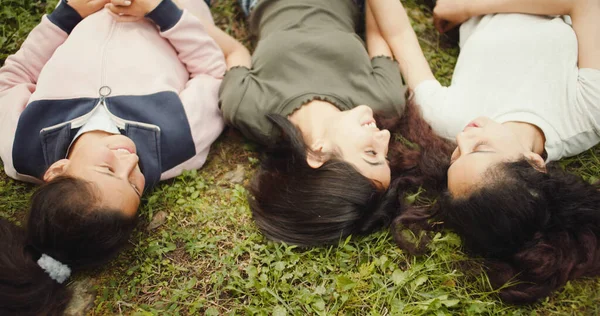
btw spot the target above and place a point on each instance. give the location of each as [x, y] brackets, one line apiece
[435, 102]
[388, 77]
[196, 49]
[205, 63]
[232, 92]
[65, 17]
[18, 78]
[242, 102]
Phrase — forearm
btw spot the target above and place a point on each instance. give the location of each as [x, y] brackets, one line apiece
[196, 49]
[26, 64]
[586, 23]
[396, 29]
[235, 53]
[376, 44]
[239, 57]
[541, 7]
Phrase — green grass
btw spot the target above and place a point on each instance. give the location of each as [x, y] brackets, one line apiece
[208, 257]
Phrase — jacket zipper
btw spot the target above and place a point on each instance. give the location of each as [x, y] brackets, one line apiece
[103, 92]
[106, 89]
[113, 26]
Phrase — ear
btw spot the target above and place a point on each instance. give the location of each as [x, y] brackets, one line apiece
[317, 157]
[536, 161]
[56, 169]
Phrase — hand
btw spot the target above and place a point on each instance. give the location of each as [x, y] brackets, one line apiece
[135, 8]
[86, 7]
[448, 14]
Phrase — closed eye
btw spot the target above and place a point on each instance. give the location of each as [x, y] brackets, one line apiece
[477, 147]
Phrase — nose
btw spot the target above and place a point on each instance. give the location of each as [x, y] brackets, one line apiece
[382, 138]
[463, 142]
[126, 164]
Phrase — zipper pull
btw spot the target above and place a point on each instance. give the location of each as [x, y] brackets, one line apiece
[104, 91]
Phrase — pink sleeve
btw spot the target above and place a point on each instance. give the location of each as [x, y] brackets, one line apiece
[196, 49]
[18, 78]
[205, 63]
[25, 66]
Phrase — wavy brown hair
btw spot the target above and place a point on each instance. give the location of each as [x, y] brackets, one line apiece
[535, 230]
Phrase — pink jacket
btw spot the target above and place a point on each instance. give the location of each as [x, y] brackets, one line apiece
[163, 84]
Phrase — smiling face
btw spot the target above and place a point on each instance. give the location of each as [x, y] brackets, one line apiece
[482, 144]
[356, 138]
[110, 163]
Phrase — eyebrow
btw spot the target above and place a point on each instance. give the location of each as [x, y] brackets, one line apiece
[379, 163]
[137, 192]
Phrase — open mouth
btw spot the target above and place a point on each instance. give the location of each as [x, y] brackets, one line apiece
[370, 124]
[123, 150]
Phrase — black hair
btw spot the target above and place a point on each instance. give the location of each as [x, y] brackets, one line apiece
[65, 223]
[305, 206]
[534, 229]
[301, 205]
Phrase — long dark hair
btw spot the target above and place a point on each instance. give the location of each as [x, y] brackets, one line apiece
[301, 205]
[65, 223]
[536, 230]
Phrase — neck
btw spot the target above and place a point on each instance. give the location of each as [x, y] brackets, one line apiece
[529, 135]
[312, 119]
[90, 136]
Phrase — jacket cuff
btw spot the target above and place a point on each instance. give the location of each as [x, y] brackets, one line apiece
[165, 15]
[65, 17]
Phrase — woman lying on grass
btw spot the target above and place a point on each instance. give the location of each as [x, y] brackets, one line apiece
[309, 93]
[537, 81]
[99, 110]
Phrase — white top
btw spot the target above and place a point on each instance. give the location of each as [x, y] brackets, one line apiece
[517, 67]
[98, 121]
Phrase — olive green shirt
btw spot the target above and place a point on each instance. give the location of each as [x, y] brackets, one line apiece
[307, 50]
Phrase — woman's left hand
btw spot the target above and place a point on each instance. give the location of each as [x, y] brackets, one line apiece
[134, 8]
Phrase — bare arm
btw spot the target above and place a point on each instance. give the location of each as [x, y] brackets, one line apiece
[376, 44]
[586, 23]
[395, 27]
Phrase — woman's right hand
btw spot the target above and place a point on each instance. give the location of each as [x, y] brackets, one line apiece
[448, 14]
[134, 8]
[87, 7]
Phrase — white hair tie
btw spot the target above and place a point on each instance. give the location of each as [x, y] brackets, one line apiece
[58, 272]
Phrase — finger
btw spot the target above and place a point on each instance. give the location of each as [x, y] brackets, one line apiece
[439, 23]
[449, 26]
[98, 3]
[123, 3]
[118, 10]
